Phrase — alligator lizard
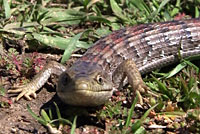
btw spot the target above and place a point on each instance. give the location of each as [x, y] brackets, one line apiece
[124, 53]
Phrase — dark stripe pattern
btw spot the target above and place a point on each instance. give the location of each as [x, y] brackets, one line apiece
[151, 46]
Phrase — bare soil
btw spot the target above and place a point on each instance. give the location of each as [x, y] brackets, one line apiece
[17, 119]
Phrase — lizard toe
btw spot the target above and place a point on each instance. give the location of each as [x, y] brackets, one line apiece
[34, 95]
[143, 88]
[27, 96]
[30, 94]
[15, 90]
[23, 92]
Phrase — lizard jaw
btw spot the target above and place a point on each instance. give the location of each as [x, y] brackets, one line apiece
[85, 97]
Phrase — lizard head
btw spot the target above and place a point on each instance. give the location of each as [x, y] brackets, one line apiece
[85, 84]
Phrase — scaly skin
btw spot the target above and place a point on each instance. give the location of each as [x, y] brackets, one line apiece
[124, 53]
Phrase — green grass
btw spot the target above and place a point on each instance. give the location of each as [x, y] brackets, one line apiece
[48, 25]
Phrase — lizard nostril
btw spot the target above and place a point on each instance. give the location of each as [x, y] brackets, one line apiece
[82, 86]
[65, 79]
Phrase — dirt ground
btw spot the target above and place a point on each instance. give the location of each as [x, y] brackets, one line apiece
[16, 118]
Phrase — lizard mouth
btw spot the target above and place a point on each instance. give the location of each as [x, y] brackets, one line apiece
[87, 87]
[85, 97]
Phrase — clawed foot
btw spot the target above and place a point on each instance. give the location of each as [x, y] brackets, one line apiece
[27, 91]
[143, 89]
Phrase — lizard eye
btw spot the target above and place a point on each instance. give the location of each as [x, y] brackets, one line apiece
[99, 79]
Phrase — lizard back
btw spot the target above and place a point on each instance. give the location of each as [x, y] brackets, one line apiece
[151, 46]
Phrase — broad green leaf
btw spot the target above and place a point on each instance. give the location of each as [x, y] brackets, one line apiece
[45, 116]
[63, 16]
[17, 32]
[58, 42]
[196, 12]
[117, 10]
[16, 25]
[177, 69]
[70, 48]
[7, 8]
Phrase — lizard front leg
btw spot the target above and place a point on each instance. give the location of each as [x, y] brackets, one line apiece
[38, 81]
[129, 69]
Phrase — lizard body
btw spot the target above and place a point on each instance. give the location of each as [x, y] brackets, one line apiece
[127, 52]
